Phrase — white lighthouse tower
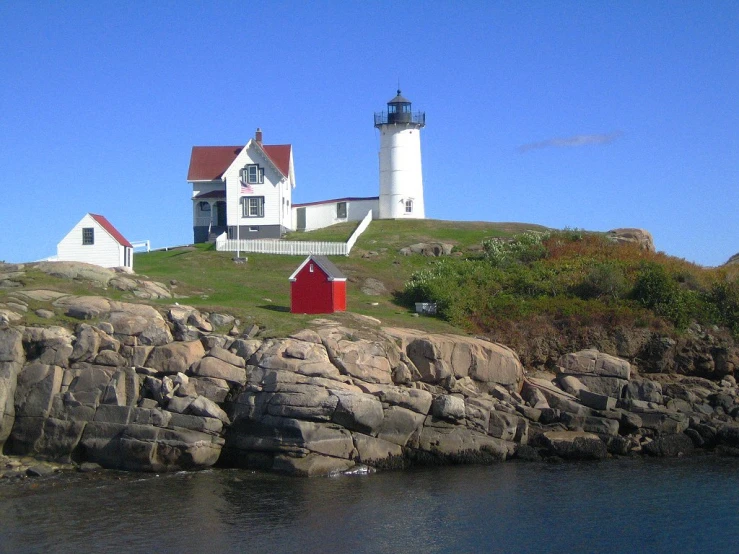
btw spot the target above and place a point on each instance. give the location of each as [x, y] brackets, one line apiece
[401, 180]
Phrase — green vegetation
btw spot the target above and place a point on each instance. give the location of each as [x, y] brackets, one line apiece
[499, 275]
[580, 277]
[259, 290]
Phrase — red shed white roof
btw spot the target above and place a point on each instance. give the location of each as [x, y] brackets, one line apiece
[108, 226]
[208, 163]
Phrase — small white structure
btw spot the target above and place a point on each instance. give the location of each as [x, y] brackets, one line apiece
[401, 178]
[94, 240]
[317, 215]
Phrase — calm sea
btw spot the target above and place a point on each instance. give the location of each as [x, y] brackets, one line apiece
[684, 505]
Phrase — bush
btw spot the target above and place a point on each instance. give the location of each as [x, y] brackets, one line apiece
[658, 291]
[724, 297]
[605, 281]
[524, 248]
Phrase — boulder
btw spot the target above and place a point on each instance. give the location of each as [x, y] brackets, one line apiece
[640, 237]
[592, 362]
[218, 369]
[11, 345]
[100, 276]
[577, 445]
[296, 356]
[175, 357]
[399, 424]
[417, 400]
[597, 401]
[211, 388]
[375, 451]
[226, 356]
[504, 425]
[433, 249]
[589, 424]
[303, 402]
[310, 465]
[644, 389]
[438, 356]
[446, 406]
[84, 307]
[357, 412]
[460, 445]
[670, 445]
[369, 356]
[203, 407]
[37, 385]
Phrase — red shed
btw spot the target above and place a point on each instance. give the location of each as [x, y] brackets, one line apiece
[317, 287]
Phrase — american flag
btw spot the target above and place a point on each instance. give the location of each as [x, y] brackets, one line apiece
[245, 188]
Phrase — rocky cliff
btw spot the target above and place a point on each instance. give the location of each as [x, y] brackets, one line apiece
[132, 388]
[129, 386]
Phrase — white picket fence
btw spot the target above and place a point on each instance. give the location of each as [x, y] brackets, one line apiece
[293, 247]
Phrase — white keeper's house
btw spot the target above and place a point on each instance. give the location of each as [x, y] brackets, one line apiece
[246, 191]
[94, 240]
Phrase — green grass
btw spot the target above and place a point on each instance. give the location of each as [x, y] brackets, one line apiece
[259, 290]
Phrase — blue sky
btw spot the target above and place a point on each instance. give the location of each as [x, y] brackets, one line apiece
[593, 115]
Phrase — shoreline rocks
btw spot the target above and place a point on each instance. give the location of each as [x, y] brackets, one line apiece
[132, 389]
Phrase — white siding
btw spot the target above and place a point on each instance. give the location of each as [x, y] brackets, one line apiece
[318, 216]
[401, 177]
[105, 252]
[200, 187]
[272, 190]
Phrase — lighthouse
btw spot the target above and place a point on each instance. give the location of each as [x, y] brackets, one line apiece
[401, 179]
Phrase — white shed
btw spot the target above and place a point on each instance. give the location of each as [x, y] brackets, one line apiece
[94, 240]
[317, 215]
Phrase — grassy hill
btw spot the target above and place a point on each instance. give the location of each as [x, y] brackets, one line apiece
[496, 282]
[259, 290]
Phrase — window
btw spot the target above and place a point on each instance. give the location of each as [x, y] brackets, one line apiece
[88, 235]
[204, 206]
[252, 174]
[341, 210]
[409, 206]
[252, 206]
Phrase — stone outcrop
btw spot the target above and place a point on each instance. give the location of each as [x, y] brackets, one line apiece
[129, 388]
[637, 236]
[433, 249]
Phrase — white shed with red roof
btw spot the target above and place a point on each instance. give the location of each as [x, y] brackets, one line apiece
[94, 240]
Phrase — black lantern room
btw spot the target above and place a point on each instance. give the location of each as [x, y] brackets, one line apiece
[399, 111]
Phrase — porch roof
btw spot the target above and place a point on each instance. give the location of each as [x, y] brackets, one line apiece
[211, 194]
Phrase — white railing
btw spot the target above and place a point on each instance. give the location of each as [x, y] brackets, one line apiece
[293, 247]
[358, 231]
[141, 244]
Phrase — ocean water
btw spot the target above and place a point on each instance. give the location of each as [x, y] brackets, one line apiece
[681, 505]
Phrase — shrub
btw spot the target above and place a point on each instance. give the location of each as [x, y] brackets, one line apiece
[658, 291]
[524, 248]
[605, 280]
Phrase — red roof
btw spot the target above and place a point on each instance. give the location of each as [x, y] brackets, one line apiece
[208, 163]
[108, 226]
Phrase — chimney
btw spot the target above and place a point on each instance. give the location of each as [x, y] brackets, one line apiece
[258, 136]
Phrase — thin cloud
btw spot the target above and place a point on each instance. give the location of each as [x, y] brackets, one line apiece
[577, 140]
